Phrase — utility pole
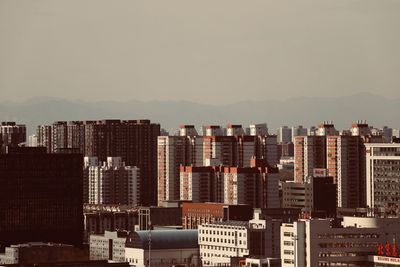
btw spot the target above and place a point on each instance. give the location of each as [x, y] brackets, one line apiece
[149, 225]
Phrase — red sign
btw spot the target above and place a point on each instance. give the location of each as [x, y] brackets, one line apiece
[387, 250]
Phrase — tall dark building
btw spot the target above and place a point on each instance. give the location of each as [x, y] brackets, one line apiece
[40, 197]
[135, 141]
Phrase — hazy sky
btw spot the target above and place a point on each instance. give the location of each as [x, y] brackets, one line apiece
[216, 51]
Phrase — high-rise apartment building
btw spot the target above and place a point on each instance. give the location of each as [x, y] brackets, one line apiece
[309, 153]
[254, 186]
[284, 135]
[135, 141]
[171, 155]
[40, 197]
[383, 178]
[12, 134]
[234, 130]
[345, 157]
[201, 184]
[212, 130]
[298, 131]
[112, 182]
[258, 129]
[174, 151]
[44, 135]
[59, 136]
[326, 129]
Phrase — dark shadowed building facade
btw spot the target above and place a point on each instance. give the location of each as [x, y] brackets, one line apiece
[40, 197]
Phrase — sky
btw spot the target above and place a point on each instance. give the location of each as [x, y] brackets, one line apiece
[207, 51]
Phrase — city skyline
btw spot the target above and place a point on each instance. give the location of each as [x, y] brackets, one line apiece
[206, 52]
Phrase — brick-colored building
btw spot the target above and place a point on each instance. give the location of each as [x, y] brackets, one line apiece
[194, 214]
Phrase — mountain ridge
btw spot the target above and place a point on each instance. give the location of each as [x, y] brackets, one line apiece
[343, 110]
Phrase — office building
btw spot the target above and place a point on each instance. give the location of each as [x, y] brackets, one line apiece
[223, 240]
[324, 242]
[383, 261]
[318, 194]
[195, 214]
[383, 178]
[159, 217]
[40, 197]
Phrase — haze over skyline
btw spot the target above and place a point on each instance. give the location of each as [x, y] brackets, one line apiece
[214, 52]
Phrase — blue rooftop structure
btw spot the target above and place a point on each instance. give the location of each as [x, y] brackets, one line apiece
[163, 239]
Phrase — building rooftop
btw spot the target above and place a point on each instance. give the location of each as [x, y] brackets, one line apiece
[231, 223]
[163, 239]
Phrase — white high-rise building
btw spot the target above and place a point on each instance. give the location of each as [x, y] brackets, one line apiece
[383, 177]
[33, 140]
[112, 182]
[320, 242]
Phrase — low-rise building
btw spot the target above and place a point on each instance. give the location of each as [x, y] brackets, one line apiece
[195, 214]
[110, 246]
[37, 252]
[262, 262]
[221, 241]
[101, 218]
[162, 248]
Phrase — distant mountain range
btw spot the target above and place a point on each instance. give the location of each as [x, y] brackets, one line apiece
[307, 111]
